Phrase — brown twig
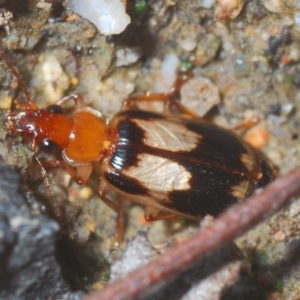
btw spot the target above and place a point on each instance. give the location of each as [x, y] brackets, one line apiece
[231, 224]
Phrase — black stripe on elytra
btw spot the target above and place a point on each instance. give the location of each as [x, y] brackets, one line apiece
[210, 192]
[129, 145]
[125, 184]
[218, 146]
[140, 114]
[267, 170]
[127, 148]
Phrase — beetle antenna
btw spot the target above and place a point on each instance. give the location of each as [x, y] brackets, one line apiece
[21, 82]
[49, 189]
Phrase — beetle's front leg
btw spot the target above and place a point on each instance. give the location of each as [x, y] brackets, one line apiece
[80, 174]
[79, 102]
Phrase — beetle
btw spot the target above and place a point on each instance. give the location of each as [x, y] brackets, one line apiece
[173, 163]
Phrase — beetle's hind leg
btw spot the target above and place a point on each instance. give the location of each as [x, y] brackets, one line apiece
[154, 214]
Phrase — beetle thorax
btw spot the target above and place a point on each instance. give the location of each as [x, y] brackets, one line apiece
[88, 138]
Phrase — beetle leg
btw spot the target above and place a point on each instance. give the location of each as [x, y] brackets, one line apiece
[33, 145]
[20, 104]
[129, 103]
[117, 207]
[80, 174]
[54, 163]
[11, 127]
[247, 125]
[102, 193]
[171, 104]
[154, 214]
[162, 97]
[48, 187]
[79, 102]
[167, 99]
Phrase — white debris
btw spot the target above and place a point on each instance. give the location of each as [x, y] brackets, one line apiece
[167, 75]
[109, 16]
[208, 3]
[297, 19]
[127, 56]
[137, 253]
[50, 80]
[188, 44]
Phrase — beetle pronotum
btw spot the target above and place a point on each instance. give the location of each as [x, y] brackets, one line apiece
[172, 163]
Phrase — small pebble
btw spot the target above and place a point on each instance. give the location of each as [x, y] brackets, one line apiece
[110, 17]
[127, 56]
[287, 108]
[279, 236]
[6, 102]
[50, 79]
[83, 235]
[208, 3]
[228, 9]
[241, 64]
[200, 95]
[272, 5]
[207, 49]
[258, 138]
[188, 45]
[85, 192]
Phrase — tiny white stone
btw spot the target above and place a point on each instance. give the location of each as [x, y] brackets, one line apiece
[127, 56]
[297, 19]
[51, 80]
[287, 108]
[109, 16]
[294, 52]
[168, 74]
[200, 95]
[188, 45]
[208, 3]
[272, 5]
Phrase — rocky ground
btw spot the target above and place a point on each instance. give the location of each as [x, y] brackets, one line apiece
[244, 54]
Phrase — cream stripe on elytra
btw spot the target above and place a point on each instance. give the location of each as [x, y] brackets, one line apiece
[159, 174]
[247, 161]
[240, 190]
[166, 135]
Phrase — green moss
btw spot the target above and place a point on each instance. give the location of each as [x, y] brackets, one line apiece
[105, 277]
[140, 6]
[186, 66]
[279, 286]
[263, 257]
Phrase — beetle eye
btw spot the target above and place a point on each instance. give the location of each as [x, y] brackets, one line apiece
[55, 109]
[48, 146]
